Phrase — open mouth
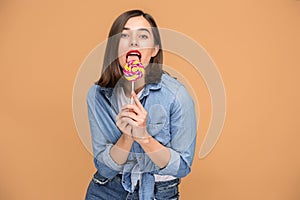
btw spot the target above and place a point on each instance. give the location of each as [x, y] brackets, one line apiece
[133, 55]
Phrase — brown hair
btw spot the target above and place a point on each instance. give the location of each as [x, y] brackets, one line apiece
[111, 69]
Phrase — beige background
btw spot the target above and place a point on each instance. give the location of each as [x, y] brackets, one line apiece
[255, 44]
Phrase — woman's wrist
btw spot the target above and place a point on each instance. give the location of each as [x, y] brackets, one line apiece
[146, 139]
[127, 139]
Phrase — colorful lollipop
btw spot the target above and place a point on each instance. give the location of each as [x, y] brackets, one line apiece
[133, 69]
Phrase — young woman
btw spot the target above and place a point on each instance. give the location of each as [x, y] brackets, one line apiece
[141, 149]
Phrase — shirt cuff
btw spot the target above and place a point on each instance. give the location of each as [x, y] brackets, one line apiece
[173, 165]
[107, 160]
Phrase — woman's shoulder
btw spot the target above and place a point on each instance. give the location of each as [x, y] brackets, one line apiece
[97, 91]
[171, 83]
[176, 89]
[92, 91]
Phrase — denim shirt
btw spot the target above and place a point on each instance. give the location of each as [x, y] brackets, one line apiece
[171, 121]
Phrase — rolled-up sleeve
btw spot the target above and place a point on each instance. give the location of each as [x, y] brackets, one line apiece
[101, 145]
[183, 135]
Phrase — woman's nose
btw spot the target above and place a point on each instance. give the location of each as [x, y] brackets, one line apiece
[133, 42]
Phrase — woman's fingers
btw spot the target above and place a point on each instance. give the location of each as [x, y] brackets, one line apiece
[121, 124]
[128, 117]
[137, 107]
[127, 113]
[137, 102]
[129, 121]
[131, 107]
[124, 127]
[135, 112]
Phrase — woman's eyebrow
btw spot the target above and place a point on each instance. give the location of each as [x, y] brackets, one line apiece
[139, 29]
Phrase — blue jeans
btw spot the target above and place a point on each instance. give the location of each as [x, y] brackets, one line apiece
[101, 188]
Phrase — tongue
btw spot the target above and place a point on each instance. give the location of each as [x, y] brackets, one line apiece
[132, 57]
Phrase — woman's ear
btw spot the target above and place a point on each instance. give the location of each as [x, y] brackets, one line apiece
[155, 50]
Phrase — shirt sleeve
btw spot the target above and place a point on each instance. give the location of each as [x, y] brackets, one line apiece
[183, 135]
[101, 145]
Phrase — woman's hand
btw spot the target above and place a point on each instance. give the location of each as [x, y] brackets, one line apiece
[135, 117]
[123, 125]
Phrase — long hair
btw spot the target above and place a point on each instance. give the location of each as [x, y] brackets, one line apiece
[111, 69]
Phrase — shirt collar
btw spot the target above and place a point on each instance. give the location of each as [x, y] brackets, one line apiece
[150, 86]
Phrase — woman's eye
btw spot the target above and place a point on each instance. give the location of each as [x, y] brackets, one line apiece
[124, 35]
[144, 36]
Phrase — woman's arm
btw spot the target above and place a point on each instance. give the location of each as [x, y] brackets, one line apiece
[108, 157]
[158, 153]
[183, 132]
[120, 151]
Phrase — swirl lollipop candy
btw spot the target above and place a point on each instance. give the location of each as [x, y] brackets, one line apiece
[133, 69]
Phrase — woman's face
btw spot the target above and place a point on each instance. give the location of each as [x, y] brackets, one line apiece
[137, 41]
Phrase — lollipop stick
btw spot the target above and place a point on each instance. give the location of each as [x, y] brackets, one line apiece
[132, 89]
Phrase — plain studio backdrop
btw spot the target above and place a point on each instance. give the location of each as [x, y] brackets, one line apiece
[255, 44]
